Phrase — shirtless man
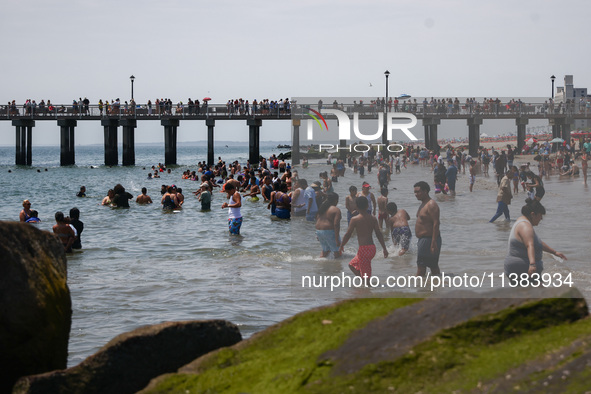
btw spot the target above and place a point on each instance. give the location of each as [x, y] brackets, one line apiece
[382, 212]
[397, 224]
[427, 231]
[365, 224]
[328, 225]
[64, 232]
[350, 204]
[144, 198]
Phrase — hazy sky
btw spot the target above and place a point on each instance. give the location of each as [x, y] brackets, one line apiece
[62, 50]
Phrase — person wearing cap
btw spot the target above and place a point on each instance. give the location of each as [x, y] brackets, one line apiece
[310, 198]
[205, 197]
[371, 199]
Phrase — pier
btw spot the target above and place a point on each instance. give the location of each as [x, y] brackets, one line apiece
[560, 116]
[67, 118]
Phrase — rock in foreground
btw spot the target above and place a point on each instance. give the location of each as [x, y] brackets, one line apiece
[396, 345]
[128, 362]
[35, 304]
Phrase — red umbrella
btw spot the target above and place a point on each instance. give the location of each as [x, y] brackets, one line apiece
[207, 99]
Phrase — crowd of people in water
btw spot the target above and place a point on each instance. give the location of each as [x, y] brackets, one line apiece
[285, 194]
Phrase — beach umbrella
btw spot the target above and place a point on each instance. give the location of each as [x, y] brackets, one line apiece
[557, 139]
[530, 141]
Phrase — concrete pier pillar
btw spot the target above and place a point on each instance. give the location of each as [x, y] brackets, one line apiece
[111, 153]
[427, 135]
[342, 152]
[67, 156]
[129, 125]
[254, 132]
[210, 123]
[555, 131]
[521, 124]
[430, 125]
[24, 141]
[566, 129]
[561, 128]
[295, 142]
[170, 135]
[474, 135]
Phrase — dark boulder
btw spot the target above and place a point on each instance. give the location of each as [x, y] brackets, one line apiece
[128, 362]
[35, 304]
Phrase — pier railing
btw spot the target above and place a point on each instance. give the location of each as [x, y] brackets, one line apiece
[452, 110]
[140, 111]
[418, 107]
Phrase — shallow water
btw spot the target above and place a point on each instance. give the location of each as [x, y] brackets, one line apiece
[141, 266]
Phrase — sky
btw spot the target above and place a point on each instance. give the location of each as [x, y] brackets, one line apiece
[62, 50]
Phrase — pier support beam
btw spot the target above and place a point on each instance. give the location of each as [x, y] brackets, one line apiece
[111, 153]
[561, 128]
[254, 132]
[521, 123]
[555, 131]
[170, 134]
[474, 135]
[210, 123]
[129, 126]
[24, 141]
[295, 142]
[67, 156]
[566, 128]
[430, 125]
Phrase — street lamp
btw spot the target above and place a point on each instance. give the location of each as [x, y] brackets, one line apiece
[552, 78]
[385, 134]
[132, 79]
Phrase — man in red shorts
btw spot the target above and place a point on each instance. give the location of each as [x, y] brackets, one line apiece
[365, 224]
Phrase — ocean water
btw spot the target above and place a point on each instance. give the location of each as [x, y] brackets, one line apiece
[141, 266]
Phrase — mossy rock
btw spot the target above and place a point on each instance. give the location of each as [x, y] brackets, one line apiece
[464, 354]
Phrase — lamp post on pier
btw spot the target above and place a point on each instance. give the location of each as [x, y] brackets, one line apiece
[132, 78]
[552, 78]
[385, 134]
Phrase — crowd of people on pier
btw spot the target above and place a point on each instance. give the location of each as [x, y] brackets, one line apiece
[469, 106]
[158, 107]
